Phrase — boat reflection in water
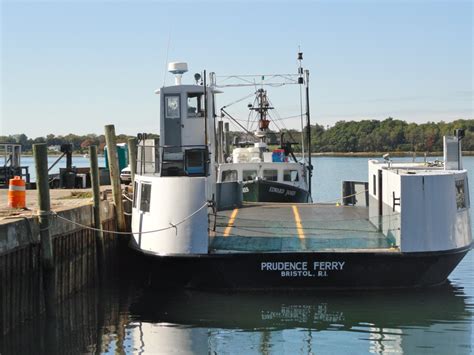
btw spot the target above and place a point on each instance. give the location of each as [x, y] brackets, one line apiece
[131, 319]
[398, 321]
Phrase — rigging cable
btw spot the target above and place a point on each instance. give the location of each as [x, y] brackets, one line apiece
[232, 118]
[239, 100]
[282, 123]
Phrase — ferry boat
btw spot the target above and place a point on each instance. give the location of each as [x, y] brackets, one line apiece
[413, 233]
[266, 176]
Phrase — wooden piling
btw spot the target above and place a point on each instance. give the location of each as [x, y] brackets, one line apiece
[132, 157]
[227, 139]
[40, 152]
[99, 235]
[220, 139]
[115, 176]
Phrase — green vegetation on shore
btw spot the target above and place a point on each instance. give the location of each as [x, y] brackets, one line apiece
[389, 135]
[366, 136]
[80, 143]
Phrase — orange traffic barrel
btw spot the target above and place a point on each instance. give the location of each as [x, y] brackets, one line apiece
[17, 193]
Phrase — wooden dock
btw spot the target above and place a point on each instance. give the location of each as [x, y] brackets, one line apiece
[21, 279]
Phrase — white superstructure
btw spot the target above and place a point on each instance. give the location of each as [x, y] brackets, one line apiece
[176, 179]
[428, 203]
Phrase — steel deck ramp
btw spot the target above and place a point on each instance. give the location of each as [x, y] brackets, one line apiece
[264, 227]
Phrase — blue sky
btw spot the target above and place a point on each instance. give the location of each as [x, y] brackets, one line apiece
[75, 66]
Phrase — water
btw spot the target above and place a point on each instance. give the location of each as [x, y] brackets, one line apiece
[126, 317]
[77, 161]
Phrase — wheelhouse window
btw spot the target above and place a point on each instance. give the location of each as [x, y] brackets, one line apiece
[195, 105]
[290, 175]
[195, 162]
[145, 197]
[249, 175]
[462, 199]
[229, 175]
[172, 106]
[271, 175]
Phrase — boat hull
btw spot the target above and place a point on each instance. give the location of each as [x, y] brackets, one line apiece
[315, 270]
[271, 191]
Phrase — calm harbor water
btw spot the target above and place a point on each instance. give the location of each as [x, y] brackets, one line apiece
[125, 317]
[77, 161]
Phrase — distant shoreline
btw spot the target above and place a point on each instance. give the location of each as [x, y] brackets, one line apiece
[379, 154]
[334, 154]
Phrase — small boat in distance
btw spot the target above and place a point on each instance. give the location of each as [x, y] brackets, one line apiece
[267, 176]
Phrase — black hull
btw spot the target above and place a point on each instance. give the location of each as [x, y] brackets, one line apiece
[334, 270]
[271, 191]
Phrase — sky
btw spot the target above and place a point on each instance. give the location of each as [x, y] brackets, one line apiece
[75, 66]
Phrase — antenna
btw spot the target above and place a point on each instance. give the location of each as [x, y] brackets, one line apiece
[167, 53]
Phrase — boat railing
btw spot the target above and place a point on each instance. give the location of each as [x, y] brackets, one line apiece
[173, 160]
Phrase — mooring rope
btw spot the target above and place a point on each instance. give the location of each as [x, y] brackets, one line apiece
[344, 197]
[127, 198]
[172, 225]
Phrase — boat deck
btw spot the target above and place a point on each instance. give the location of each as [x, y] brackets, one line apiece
[287, 227]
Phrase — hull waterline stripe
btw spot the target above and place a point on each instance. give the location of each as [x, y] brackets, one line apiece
[299, 226]
[231, 222]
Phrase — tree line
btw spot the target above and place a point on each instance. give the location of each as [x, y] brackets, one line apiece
[389, 135]
[80, 143]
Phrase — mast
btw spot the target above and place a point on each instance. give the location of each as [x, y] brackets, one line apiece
[308, 131]
[262, 109]
[300, 82]
[305, 80]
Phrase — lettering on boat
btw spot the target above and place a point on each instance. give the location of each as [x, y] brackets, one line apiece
[280, 191]
[276, 190]
[302, 268]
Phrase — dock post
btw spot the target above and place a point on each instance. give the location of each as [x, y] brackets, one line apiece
[40, 152]
[227, 139]
[132, 157]
[115, 176]
[99, 235]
